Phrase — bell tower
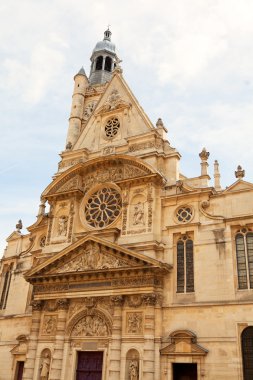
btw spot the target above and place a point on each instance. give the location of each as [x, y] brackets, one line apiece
[103, 60]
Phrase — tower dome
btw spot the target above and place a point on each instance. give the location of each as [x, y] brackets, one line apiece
[103, 60]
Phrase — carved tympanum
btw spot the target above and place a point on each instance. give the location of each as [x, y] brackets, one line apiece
[90, 325]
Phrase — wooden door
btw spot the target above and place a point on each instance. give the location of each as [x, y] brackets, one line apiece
[89, 365]
[184, 371]
[20, 369]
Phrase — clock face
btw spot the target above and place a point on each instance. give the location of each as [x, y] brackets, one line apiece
[88, 110]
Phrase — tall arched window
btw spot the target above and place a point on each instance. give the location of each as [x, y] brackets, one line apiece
[6, 280]
[108, 64]
[99, 63]
[247, 353]
[244, 258]
[185, 268]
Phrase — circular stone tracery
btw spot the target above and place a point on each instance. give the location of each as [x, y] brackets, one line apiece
[112, 127]
[103, 207]
[184, 214]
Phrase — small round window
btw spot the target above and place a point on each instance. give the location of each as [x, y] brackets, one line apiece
[103, 207]
[112, 127]
[184, 214]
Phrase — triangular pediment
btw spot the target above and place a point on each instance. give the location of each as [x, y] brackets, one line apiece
[92, 255]
[184, 343]
[117, 101]
[239, 185]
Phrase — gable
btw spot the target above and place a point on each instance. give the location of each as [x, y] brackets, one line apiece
[239, 185]
[117, 102]
[91, 254]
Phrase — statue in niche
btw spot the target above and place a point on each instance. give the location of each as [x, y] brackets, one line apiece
[62, 225]
[138, 217]
[133, 370]
[45, 366]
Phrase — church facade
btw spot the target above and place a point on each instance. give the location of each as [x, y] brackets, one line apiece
[136, 272]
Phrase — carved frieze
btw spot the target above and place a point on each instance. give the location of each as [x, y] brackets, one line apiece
[62, 304]
[117, 300]
[111, 174]
[145, 145]
[37, 305]
[134, 300]
[134, 323]
[49, 325]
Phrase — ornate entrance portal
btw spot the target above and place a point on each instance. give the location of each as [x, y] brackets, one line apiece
[89, 365]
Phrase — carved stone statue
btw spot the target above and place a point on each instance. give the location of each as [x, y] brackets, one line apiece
[133, 370]
[138, 214]
[45, 366]
[62, 225]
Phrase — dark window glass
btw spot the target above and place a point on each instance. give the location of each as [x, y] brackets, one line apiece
[180, 267]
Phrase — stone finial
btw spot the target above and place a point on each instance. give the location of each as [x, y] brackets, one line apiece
[42, 207]
[19, 225]
[239, 173]
[159, 123]
[204, 164]
[204, 155]
[217, 185]
[69, 146]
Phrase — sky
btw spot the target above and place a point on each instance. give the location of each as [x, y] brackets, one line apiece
[188, 62]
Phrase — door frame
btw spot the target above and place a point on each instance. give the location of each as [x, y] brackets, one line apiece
[75, 360]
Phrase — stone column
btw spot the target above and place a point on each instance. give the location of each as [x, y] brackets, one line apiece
[33, 341]
[115, 371]
[57, 359]
[149, 360]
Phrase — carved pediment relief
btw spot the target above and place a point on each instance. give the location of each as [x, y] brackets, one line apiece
[106, 169]
[113, 102]
[91, 256]
[183, 342]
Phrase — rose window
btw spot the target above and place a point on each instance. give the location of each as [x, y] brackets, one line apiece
[184, 214]
[112, 127]
[103, 207]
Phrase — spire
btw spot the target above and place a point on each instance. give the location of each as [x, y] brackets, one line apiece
[103, 60]
[81, 71]
[217, 185]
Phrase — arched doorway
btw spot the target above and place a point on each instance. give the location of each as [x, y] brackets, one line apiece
[247, 353]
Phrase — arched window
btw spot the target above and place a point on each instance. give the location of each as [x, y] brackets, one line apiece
[5, 286]
[99, 63]
[247, 353]
[244, 258]
[185, 269]
[108, 64]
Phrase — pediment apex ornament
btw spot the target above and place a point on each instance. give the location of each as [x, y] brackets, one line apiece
[113, 102]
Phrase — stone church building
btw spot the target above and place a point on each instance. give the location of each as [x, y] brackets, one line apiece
[136, 272]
